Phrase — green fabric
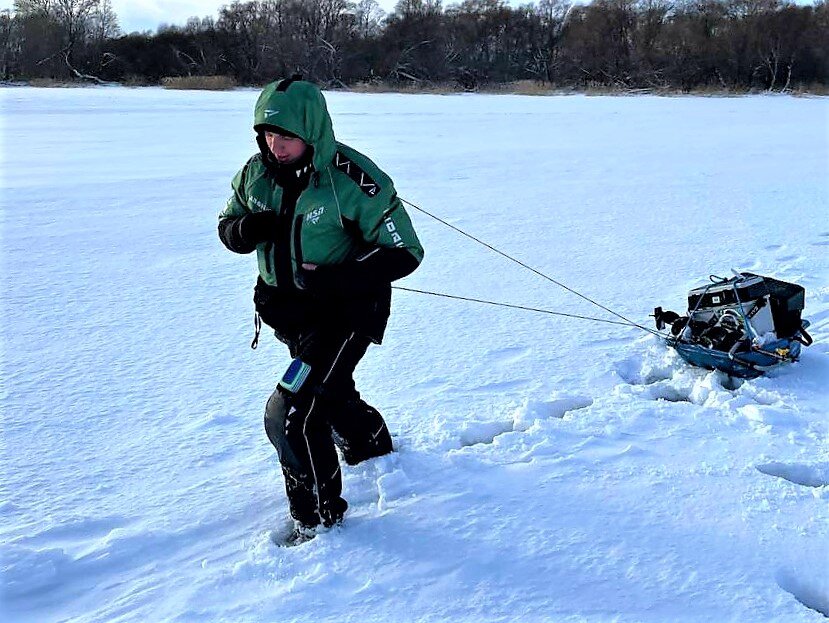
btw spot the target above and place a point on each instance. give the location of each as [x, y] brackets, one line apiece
[334, 211]
[302, 111]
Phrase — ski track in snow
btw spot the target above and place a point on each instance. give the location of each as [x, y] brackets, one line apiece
[546, 469]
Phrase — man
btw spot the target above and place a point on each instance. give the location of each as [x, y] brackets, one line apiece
[330, 236]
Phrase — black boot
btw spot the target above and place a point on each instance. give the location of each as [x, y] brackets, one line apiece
[298, 535]
[361, 433]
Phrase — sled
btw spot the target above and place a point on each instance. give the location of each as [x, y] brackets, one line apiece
[744, 326]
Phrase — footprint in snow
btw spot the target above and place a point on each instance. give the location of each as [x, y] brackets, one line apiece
[557, 408]
[798, 473]
[485, 432]
[669, 393]
[392, 488]
[762, 417]
[474, 433]
[808, 583]
[637, 371]
[367, 483]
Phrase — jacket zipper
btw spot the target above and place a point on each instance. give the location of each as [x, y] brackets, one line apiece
[267, 253]
[282, 252]
[298, 240]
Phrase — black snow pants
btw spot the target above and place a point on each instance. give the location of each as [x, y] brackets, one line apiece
[306, 424]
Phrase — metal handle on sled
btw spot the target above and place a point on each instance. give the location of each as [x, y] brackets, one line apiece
[732, 355]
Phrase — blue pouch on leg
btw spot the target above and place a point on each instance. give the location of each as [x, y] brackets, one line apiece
[294, 377]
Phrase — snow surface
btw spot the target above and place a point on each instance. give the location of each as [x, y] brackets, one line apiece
[548, 469]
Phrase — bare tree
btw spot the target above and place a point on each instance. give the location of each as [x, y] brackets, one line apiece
[368, 18]
[34, 7]
[553, 15]
[72, 21]
[9, 43]
[769, 44]
[74, 17]
[103, 23]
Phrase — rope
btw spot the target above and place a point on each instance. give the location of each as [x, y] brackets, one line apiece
[532, 309]
[531, 269]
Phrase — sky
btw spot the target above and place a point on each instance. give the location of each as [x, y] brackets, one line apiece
[143, 15]
[149, 14]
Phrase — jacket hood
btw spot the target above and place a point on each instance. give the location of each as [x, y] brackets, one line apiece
[298, 106]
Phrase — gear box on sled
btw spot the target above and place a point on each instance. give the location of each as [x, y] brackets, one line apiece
[744, 325]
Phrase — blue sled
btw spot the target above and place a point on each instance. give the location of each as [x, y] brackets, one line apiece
[742, 362]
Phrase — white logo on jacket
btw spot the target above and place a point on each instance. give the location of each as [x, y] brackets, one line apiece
[392, 229]
[258, 202]
[314, 215]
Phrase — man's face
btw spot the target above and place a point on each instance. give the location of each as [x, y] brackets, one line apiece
[286, 149]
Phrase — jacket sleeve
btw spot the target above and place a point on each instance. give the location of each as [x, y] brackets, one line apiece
[384, 265]
[395, 250]
[392, 249]
[230, 219]
[385, 224]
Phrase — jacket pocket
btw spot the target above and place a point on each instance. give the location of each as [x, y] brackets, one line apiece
[277, 308]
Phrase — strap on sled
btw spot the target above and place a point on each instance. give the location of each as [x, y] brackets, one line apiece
[803, 336]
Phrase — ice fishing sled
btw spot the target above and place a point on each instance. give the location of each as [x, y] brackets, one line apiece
[745, 325]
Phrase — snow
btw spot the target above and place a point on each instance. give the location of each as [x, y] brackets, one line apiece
[548, 469]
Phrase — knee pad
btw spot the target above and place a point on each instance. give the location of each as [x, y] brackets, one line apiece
[276, 415]
[281, 411]
[289, 403]
[292, 390]
[284, 428]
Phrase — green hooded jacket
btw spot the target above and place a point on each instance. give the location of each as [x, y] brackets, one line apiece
[348, 207]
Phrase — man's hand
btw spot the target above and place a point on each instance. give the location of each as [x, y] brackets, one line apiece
[259, 227]
[371, 272]
[337, 279]
[322, 279]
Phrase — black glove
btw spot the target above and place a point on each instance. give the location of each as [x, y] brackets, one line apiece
[371, 272]
[241, 234]
[259, 227]
[337, 279]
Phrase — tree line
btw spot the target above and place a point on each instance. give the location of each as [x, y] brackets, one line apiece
[628, 44]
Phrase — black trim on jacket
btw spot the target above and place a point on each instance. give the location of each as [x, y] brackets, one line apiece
[365, 182]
